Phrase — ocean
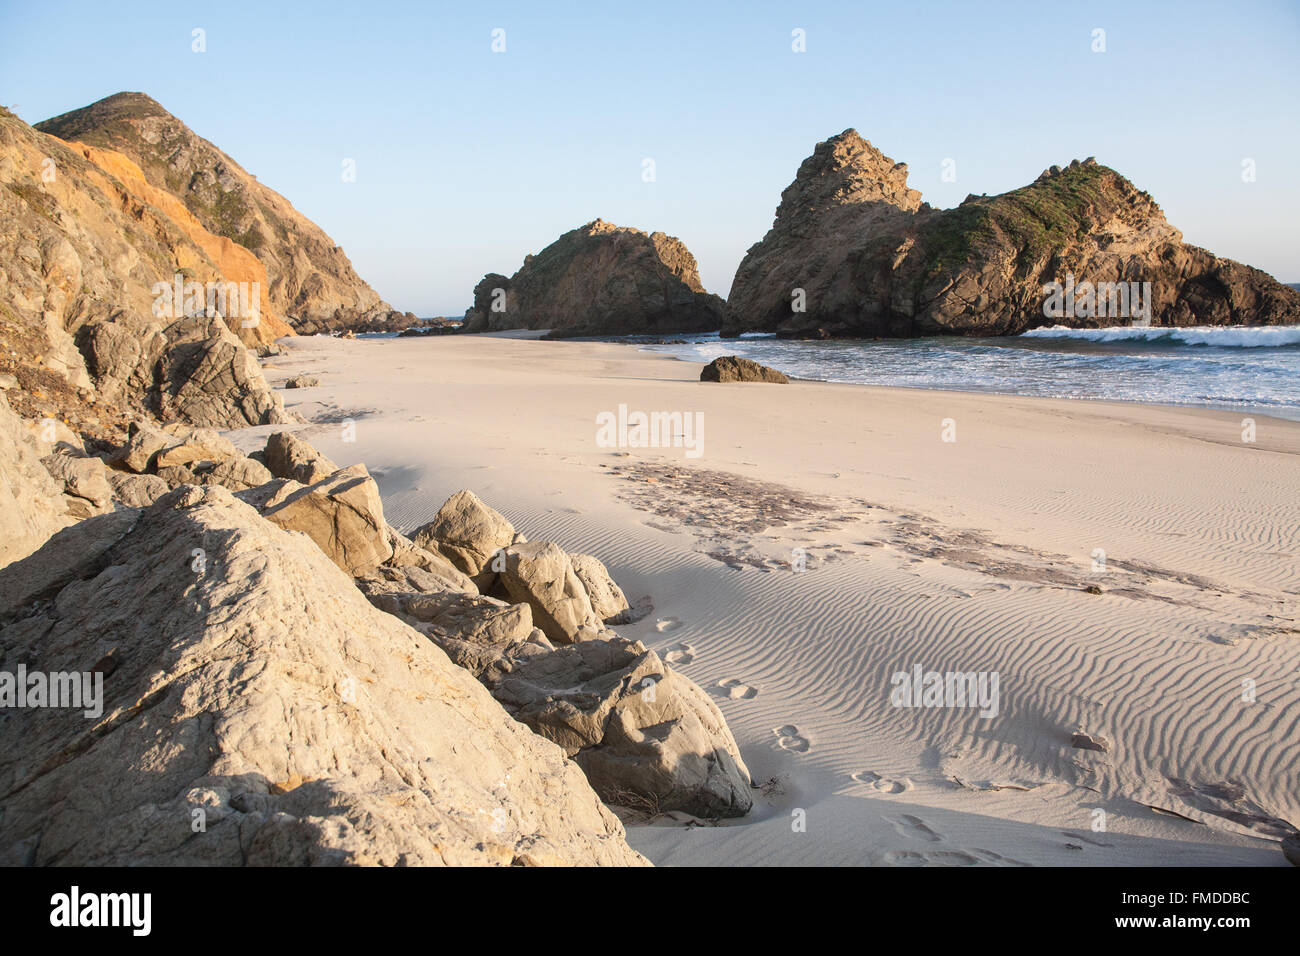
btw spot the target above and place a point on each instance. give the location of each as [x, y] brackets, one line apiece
[1252, 369]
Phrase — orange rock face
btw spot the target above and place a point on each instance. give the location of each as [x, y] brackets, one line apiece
[233, 262]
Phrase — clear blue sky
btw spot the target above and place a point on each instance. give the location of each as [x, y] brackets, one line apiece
[467, 159]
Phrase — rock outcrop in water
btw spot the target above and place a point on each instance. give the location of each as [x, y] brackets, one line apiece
[733, 368]
[854, 252]
[310, 280]
[599, 279]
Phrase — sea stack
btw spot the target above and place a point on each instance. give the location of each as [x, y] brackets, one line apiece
[854, 252]
[600, 279]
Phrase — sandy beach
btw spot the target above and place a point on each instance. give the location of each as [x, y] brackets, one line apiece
[828, 537]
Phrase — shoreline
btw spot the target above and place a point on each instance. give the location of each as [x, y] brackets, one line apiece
[1041, 398]
[1242, 409]
[1110, 403]
[972, 555]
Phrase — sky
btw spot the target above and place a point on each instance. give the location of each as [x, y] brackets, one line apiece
[467, 159]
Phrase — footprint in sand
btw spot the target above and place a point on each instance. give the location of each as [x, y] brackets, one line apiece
[680, 654]
[905, 858]
[915, 827]
[911, 826]
[667, 624]
[1085, 838]
[734, 689]
[882, 784]
[947, 858]
[789, 738]
[988, 856]
[951, 858]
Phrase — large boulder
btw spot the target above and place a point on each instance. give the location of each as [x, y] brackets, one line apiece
[468, 533]
[607, 598]
[86, 489]
[540, 574]
[194, 445]
[137, 491]
[288, 456]
[140, 453]
[646, 737]
[237, 474]
[123, 357]
[342, 514]
[733, 368]
[256, 710]
[854, 252]
[32, 506]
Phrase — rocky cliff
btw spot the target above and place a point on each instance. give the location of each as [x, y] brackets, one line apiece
[599, 279]
[854, 252]
[85, 246]
[310, 279]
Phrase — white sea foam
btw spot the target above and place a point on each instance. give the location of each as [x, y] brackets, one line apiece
[1228, 336]
[1251, 369]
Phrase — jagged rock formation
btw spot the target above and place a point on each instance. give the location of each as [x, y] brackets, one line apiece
[310, 279]
[87, 339]
[482, 634]
[599, 279]
[854, 252]
[257, 710]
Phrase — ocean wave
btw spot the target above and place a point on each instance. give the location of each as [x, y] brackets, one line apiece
[1224, 336]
